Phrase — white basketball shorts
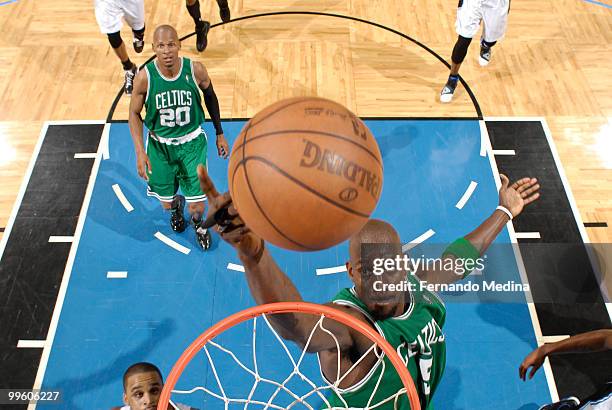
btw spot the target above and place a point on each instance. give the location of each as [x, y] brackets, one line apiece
[110, 12]
[493, 14]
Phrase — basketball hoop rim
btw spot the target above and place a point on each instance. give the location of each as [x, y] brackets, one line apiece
[288, 307]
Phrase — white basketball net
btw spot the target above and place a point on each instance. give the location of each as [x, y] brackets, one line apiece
[315, 391]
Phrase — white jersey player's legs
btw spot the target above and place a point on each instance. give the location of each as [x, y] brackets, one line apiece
[108, 15]
[495, 19]
[134, 13]
[469, 16]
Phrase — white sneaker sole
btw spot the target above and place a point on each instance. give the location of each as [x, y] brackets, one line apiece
[483, 62]
[446, 98]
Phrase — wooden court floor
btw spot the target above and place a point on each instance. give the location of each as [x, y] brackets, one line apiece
[554, 63]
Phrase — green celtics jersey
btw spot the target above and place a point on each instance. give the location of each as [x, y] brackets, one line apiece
[417, 336]
[174, 106]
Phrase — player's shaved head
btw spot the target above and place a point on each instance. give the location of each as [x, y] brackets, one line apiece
[164, 29]
[374, 231]
[376, 241]
[166, 46]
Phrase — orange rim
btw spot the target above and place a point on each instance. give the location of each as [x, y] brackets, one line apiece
[288, 307]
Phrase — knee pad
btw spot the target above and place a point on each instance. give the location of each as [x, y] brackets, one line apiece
[115, 39]
[460, 49]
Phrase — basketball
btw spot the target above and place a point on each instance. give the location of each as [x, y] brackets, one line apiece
[305, 173]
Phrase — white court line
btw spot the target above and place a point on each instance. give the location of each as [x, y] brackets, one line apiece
[83, 155]
[31, 344]
[550, 380]
[581, 228]
[104, 142]
[484, 138]
[552, 339]
[61, 239]
[174, 245]
[499, 152]
[22, 189]
[527, 235]
[116, 275]
[466, 195]
[59, 303]
[75, 122]
[514, 119]
[406, 247]
[329, 271]
[237, 268]
[121, 197]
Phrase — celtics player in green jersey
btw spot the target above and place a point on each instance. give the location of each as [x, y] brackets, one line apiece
[169, 88]
[411, 320]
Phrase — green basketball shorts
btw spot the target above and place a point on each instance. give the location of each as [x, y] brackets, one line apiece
[175, 165]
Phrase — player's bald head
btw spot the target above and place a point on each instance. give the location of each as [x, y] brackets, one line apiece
[165, 31]
[374, 231]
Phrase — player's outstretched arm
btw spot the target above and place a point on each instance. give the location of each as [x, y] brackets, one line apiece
[267, 282]
[513, 199]
[595, 341]
[212, 105]
[139, 94]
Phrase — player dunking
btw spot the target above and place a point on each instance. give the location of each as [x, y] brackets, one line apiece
[202, 26]
[494, 15]
[176, 144]
[410, 321]
[108, 16]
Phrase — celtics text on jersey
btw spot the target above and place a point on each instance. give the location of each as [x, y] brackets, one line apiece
[417, 337]
[173, 105]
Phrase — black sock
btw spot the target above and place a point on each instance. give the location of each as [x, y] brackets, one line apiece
[194, 12]
[127, 64]
[175, 205]
[488, 44]
[197, 223]
[139, 34]
[453, 77]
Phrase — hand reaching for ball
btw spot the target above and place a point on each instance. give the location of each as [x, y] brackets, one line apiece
[227, 222]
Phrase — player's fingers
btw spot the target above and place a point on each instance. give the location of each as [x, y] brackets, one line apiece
[524, 183]
[206, 183]
[534, 369]
[142, 171]
[232, 210]
[234, 236]
[519, 184]
[530, 190]
[531, 198]
[230, 227]
[504, 180]
[522, 371]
